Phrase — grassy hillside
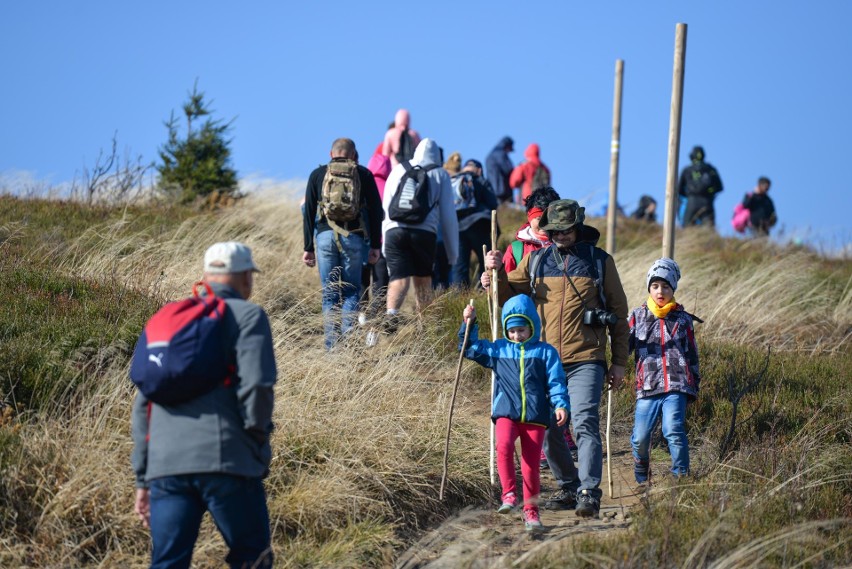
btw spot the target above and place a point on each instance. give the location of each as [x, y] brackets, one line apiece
[358, 445]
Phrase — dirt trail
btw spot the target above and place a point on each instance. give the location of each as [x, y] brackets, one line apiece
[478, 537]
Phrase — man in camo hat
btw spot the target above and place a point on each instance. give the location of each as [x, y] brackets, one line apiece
[579, 297]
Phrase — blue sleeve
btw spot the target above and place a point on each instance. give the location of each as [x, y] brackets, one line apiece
[482, 352]
[557, 388]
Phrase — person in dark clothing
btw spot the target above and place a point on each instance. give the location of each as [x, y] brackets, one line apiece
[339, 246]
[699, 184]
[474, 214]
[762, 210]
[498, 168]
[647, 210]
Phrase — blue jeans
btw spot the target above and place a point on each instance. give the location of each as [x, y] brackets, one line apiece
[672, 406]
[237, 504]
[340, 276]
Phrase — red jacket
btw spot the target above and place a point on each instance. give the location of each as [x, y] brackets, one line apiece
[522, 175]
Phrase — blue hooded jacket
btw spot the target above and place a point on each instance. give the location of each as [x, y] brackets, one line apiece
[529, 378]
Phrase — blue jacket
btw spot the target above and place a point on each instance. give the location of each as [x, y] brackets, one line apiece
[498, 168]
[529, 378]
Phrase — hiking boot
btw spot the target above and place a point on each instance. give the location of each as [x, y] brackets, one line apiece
[641, 471]
[532, 523]
[509, 504]
[587, 505]
[565, 499]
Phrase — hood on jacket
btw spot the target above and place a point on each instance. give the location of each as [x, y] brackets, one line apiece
[532, 153]
[504, 142]
[402, 119]
[427, 152]
[588, 234]
[522, 305]
[380, 166]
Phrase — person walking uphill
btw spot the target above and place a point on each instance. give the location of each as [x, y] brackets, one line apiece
[498, 168]
[418, 196]
[400, 140]
[578, 295]
[699, 184]
[530, 175]
[212, 451]
[667, 377]
[334, 199]
[529, 379]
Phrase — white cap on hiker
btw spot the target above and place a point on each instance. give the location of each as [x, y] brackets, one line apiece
[228, 257]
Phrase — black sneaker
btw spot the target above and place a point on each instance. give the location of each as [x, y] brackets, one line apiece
[587, 505]
[565, 499]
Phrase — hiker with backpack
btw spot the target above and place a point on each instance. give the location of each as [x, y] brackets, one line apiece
[667, 376]
[700, 184]
[579, 297]
[474, 202]
[529, 176]
[498, 168]
[401, 140]
[205, 369]
[761, 210]
[529, 380]
[418, 196]
[529, 236]
[335, 196]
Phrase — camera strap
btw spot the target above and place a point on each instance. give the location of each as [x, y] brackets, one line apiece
[563, 264]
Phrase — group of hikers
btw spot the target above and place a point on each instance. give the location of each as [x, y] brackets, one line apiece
[203, 445]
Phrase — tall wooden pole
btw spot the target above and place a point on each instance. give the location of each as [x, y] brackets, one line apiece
[612, 210]
[674, 141]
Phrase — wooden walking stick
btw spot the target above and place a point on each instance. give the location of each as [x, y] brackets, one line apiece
[608, 458]
[494, 318]
[487, 297]
[452, 404]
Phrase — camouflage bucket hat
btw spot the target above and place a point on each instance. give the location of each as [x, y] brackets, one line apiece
[562, 215]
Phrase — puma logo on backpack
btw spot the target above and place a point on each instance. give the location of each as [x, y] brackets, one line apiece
[410, 202]
[340, 200]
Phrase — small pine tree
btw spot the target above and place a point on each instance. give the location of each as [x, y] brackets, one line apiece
[198, 165]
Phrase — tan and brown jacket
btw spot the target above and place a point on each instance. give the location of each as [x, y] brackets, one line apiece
[560, 308]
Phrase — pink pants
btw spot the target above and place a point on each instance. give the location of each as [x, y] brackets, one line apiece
[532, 439]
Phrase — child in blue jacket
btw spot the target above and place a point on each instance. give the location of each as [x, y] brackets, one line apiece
[529, 380]
[667, 377]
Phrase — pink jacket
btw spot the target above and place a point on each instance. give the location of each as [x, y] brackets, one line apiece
[380, 166]
[391, 144]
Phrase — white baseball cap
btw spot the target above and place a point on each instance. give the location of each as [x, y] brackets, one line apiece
[228, 257]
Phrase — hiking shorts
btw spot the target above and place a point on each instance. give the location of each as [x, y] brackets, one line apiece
[410, 252]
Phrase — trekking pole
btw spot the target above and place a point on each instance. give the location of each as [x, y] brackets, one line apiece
[487, 297]
[493, 315]
[452, 404]
[608, 458]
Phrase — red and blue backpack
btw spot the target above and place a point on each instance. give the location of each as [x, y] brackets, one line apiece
[182, 352]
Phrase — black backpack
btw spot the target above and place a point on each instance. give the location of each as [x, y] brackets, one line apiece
[464, 190]
[410, 202]
[406, 147]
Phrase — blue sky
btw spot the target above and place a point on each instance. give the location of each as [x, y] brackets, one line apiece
[767, 88]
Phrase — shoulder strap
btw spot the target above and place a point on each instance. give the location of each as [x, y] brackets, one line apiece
[517, 251]
[599, 258]
[535, 261]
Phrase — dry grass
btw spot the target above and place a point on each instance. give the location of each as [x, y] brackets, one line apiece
[358, 445]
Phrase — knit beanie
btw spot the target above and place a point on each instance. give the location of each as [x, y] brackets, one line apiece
[515, 321]
[665, 269]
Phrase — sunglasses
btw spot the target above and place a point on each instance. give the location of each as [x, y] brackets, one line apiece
[562, 231]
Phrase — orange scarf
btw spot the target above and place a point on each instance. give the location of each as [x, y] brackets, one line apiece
[660, 311]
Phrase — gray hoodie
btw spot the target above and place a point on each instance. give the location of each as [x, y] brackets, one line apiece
[225, 430]
[440, 188]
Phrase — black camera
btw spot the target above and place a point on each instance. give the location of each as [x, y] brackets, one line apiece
[599, 317]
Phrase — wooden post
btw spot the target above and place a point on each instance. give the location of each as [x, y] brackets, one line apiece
[674, 141]
[495, 317]
[612, 210]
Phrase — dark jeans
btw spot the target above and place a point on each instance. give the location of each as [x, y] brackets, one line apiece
[237, 504]
[471, 239]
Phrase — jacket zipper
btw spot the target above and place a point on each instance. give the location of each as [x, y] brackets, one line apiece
[523, 389]
[663, 352]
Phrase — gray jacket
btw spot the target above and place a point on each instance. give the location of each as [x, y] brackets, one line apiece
[225, 430]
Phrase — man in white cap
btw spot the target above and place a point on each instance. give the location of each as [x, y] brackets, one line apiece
[212, 452]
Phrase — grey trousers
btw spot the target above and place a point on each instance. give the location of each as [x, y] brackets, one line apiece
[585, 385]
